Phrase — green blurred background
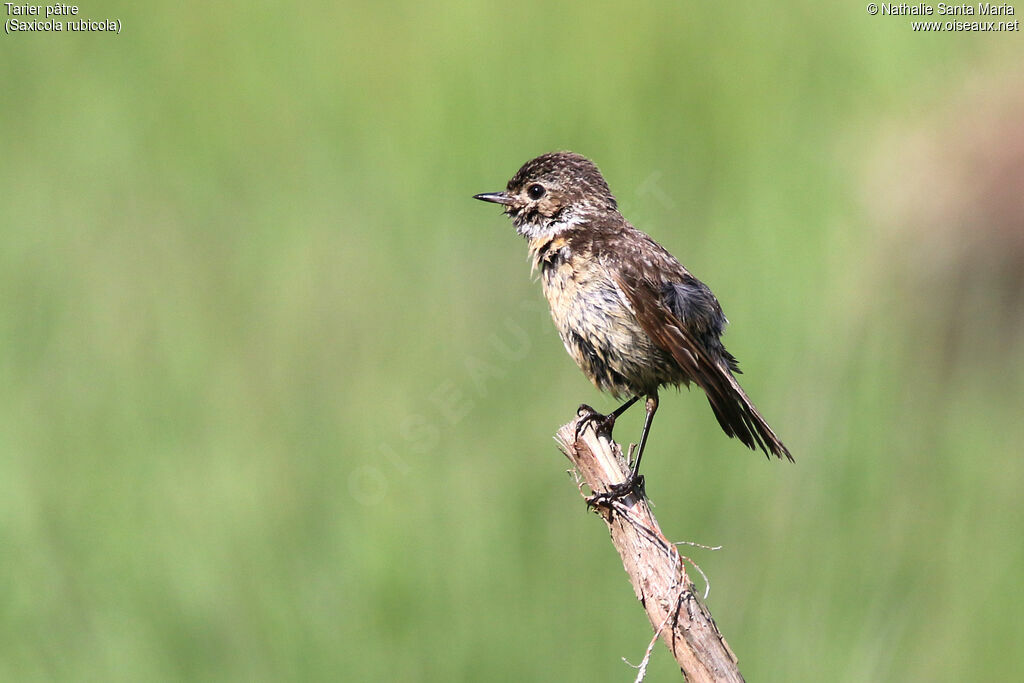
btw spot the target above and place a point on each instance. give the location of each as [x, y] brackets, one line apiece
[277, 397]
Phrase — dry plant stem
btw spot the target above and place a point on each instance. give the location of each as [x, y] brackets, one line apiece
[652, 562]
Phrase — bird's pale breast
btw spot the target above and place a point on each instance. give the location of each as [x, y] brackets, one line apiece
[597, 325]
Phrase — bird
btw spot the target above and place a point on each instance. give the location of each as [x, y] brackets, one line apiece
[629, 313]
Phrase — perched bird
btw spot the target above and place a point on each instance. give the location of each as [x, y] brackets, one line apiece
[630, 315]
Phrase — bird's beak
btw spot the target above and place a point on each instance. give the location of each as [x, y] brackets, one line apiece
[495, 197]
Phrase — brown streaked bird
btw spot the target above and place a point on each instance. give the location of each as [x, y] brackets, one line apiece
[630, 315]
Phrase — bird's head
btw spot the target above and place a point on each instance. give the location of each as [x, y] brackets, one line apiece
[553, 192]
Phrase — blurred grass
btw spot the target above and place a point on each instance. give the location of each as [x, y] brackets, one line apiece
[276, 397]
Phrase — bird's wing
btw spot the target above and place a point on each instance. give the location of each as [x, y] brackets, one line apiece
[733, 408]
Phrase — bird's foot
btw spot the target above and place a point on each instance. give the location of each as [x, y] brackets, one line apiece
[589, 417]
[632, 486]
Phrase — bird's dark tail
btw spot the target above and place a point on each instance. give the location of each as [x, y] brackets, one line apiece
[738, 417]
[711, 371]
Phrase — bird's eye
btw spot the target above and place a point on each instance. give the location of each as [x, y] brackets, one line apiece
[536, 191]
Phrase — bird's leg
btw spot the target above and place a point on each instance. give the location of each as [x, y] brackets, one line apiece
[602, 423]
[634, 482]
[652, 407]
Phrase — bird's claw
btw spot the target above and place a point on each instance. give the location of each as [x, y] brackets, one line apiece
[632, 486]
[589, 417]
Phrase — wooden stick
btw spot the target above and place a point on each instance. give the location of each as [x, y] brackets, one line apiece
[653, 563]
